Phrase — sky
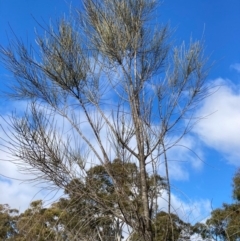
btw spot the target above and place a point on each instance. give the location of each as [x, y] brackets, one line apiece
[198, 184]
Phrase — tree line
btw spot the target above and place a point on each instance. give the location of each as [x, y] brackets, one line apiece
[71, 219]
[78, 217]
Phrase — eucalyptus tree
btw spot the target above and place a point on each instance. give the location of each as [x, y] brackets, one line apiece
[121, 90]
[224, 222]
[8, 222]
[37, 223]
[99, 181]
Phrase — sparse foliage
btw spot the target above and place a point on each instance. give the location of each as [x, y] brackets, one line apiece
[121, 91]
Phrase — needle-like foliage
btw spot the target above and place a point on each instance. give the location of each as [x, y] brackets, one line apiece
[121, 91]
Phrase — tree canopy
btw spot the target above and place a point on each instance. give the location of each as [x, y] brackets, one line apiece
[78, 217]
[224, 222]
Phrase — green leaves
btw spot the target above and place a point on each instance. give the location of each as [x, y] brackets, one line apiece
[224, 222]
[236, 186]
[8, 220]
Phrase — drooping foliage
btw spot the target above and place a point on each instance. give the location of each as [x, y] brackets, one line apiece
[120, 89]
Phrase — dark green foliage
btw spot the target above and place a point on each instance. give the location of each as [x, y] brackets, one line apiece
[38, 223]
[236, 186]
[71, 219]
[118, 186]
[168, 227]
[79, 217]
[8, 220]
[224, 223]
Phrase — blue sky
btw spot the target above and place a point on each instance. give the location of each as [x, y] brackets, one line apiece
[216, 139]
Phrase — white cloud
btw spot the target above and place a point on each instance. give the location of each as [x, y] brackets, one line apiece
[220, 129]
[191, 211]
[184, 156]
[16, 191]
[236, 67]
[197, 237]
[14, 186]
[20, 195]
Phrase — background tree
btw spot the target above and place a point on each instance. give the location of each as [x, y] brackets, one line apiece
[37, 223]
[121, 90]
[68, 219]
[202, 230]
[224, 222]
[8, 220]
[126, 176]
[168, 228]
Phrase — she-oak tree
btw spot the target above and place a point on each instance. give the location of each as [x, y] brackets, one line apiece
[123, 92]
